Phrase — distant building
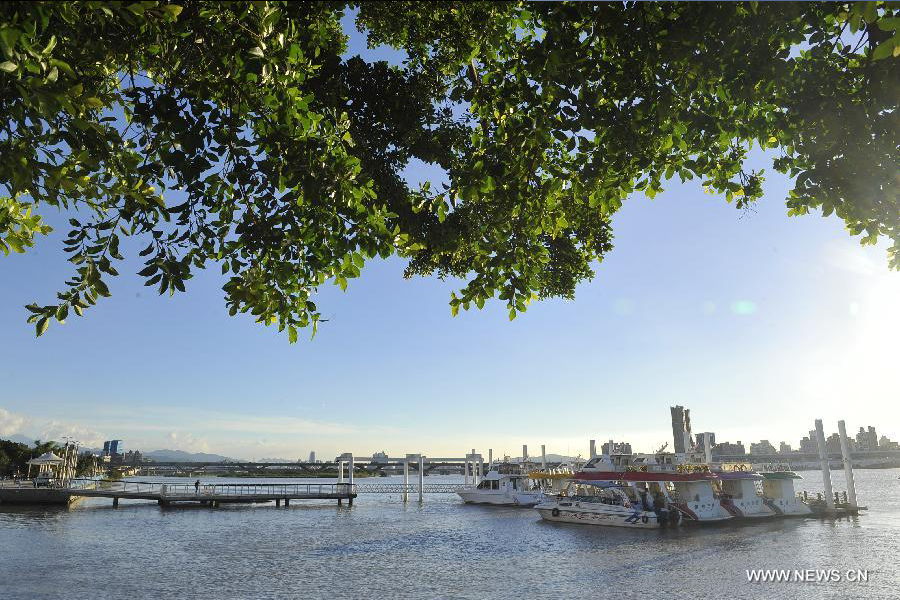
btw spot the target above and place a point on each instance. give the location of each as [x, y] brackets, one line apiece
[312, 456]
[729, 449]
[867, 439]
[784, 448]
[700, 446]
[886, 444]
[681, 429]
[379, 458]
[133, 457]
[763, 447]
[618, 448]
[113, 451]
[809, 444]
[833, 443]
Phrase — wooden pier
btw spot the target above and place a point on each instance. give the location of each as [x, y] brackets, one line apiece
[169, 494]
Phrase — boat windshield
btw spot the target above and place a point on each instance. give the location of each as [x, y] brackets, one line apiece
[599, 495]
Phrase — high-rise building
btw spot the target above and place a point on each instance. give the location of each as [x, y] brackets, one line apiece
[700, 446]
[681, 429]
[867, 440]
[729, 449]
[113, 447]
[312, 456]
[885, 443]
[784, 448]
[763, 447]
[618, 448]
[809, 444]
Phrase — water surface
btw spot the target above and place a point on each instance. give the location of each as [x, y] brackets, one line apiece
[442, 548]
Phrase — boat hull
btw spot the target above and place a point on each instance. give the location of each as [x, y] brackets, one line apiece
[609, 516]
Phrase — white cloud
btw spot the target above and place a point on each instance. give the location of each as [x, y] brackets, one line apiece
[57, 431]
[11, 423]
[181, 440]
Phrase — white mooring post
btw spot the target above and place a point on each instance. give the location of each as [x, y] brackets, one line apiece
[543, 457]
[406, 480]
[707, 449]
[340, 471]
[593, 450]
[480, 467]
[848, 463]
[826, 471]
[421, 478]
[350, 471]
[475, 473]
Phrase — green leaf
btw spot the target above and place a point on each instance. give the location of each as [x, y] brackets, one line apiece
[42, 324]
[173, 10]
[93, 102]
[8, 67]
[292, 334]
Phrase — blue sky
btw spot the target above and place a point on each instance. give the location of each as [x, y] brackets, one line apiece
[758, 322]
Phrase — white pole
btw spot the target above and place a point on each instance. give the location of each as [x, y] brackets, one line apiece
[350, 470]
[474, 469]
[406, 480]
[593, 451]
[421, 478]
[543, 457]
[340, 471]
[466, 471]
[707, 448]
[823, 458]
[480, 467]
[848, 464]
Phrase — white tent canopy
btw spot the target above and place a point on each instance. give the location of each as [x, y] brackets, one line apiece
[48, 458]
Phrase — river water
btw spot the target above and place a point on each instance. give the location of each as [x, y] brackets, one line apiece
[381, 548]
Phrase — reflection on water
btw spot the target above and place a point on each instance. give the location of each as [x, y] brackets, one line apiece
[381, 547]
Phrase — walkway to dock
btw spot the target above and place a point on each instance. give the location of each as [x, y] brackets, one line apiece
[212, 494]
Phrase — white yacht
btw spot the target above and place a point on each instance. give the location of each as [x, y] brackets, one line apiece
[504, 485]
[604, 503]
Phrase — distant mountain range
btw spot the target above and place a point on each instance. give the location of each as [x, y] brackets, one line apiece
[19, 438]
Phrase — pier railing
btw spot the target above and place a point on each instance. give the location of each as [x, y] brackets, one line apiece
[173, 490]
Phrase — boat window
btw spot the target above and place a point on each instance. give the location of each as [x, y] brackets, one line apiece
[515, 484]
[495, 485]
[484, 485]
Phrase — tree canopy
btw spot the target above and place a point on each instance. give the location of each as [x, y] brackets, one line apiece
[240, 134]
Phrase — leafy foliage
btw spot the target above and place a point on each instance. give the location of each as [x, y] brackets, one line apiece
[284, 156]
